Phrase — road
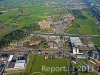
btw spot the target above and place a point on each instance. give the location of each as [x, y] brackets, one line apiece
[64, 34]
[26, 50]
[50, 51]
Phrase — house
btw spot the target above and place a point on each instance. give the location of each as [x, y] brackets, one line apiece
[45, 24]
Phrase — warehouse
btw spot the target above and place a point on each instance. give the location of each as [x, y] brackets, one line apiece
[20, 64]
[76, 41]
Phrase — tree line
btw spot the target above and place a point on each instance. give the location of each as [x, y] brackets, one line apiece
[17, 34]
[78, 14]
[10, 37]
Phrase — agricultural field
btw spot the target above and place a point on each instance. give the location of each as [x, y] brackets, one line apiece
[34, 65]
[22, 17]
[26, 13]
[85, 26]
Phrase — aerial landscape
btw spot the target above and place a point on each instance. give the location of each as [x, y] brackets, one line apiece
[49, 37]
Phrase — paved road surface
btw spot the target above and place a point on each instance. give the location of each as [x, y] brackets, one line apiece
[64, 34]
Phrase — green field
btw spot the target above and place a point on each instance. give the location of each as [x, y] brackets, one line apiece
[18, 19]
[96, 41]
[25, 13]
[36, 62]
[87, 26]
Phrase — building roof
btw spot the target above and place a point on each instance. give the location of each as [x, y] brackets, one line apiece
[20, 64]
[20, 61]
[76, 41]
[10, 58]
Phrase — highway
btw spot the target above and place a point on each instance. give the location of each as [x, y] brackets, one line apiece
[28, 50]
[64, 34]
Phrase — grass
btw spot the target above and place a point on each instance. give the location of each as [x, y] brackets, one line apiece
[73, 31]
[84, 60]
[3, 31]
[32, 13]
[36, 62]
[87, 26]
[16, 19]
[96, 41]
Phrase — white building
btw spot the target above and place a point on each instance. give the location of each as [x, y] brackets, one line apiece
[20, 64]
[75, 50]
[76, 41]
[10, 58]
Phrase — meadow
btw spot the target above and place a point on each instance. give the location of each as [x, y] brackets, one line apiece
[21, 17]
[85, 26]
[25, 13]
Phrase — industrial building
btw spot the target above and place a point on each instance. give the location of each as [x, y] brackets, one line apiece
[20, 64]
[16, 63]
[76, 41]
[75, 44]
